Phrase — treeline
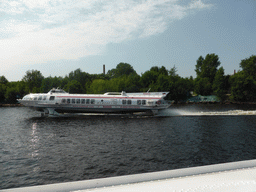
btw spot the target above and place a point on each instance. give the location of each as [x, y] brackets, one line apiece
[210, 80]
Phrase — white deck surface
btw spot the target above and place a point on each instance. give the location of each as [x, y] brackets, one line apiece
[237, 176]
[237, 180]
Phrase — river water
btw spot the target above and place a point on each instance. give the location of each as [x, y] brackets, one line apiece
[35, 150]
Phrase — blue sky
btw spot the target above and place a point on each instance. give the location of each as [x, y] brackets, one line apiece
[59, 36]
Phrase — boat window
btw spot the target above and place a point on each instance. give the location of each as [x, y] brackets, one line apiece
[35, 98]
[83, 101]
[40, 98]
[143, 102]
[68, 100]
[78, 101]
[150, 103]
[52, 98]
[124, 102]
[73, 100]
[138, 102]
[87, 101]
[129, 102]
[63, 101]
[44, 97]
[92, 101]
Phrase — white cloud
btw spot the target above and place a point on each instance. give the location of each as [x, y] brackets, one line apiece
[198, 5]
[32, 4]
[37, 31]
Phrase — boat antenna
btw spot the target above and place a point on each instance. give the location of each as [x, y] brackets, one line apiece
[148, 90]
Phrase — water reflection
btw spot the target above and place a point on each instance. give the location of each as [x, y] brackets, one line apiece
[34, 141]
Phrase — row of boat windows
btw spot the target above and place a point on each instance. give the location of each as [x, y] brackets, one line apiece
[36, 98]
[92, 101]
[78, 101]
[84, 101]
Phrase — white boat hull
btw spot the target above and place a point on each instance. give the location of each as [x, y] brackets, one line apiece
[54, 103]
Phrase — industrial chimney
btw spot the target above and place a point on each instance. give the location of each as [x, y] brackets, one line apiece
[103, 69]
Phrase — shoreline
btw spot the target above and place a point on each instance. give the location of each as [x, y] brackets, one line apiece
[214, 102]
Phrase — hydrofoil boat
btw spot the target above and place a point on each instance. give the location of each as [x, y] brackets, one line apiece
[58, 101]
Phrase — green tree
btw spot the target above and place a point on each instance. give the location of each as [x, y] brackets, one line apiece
[33, 80]
[203, 86]
[180, 89]
[206, 69]
[3, 80]
[74, 87]
[3, 87]
[248, 65]
[163, 71]
[162, 83]
[2, 92]
[11, 95]
[227, 84]
[14, 91]
[219, 84]
[149, 78]
[46, 85]
[173, 71]
[125, 83]
[210, 66]
[133, 83]
[243, 87]
[160, 79]
[64, 81]
[51, 82]
[99, 86]
[199, 66]
[120, 70]
[82, 77]
[243, 83]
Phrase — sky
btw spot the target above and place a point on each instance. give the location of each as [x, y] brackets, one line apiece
[56, 37]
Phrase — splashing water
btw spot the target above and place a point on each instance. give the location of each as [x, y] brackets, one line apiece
[194, 112]
[231, 112]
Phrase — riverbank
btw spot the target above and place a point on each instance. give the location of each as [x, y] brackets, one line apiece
[227, 102]
[215, 102]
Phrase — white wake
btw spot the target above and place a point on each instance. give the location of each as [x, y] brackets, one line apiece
[183, 112]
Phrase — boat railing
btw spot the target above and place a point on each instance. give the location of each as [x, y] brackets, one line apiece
[123, 93]
[58, 90]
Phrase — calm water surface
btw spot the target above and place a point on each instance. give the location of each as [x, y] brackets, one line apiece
[35, 150]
